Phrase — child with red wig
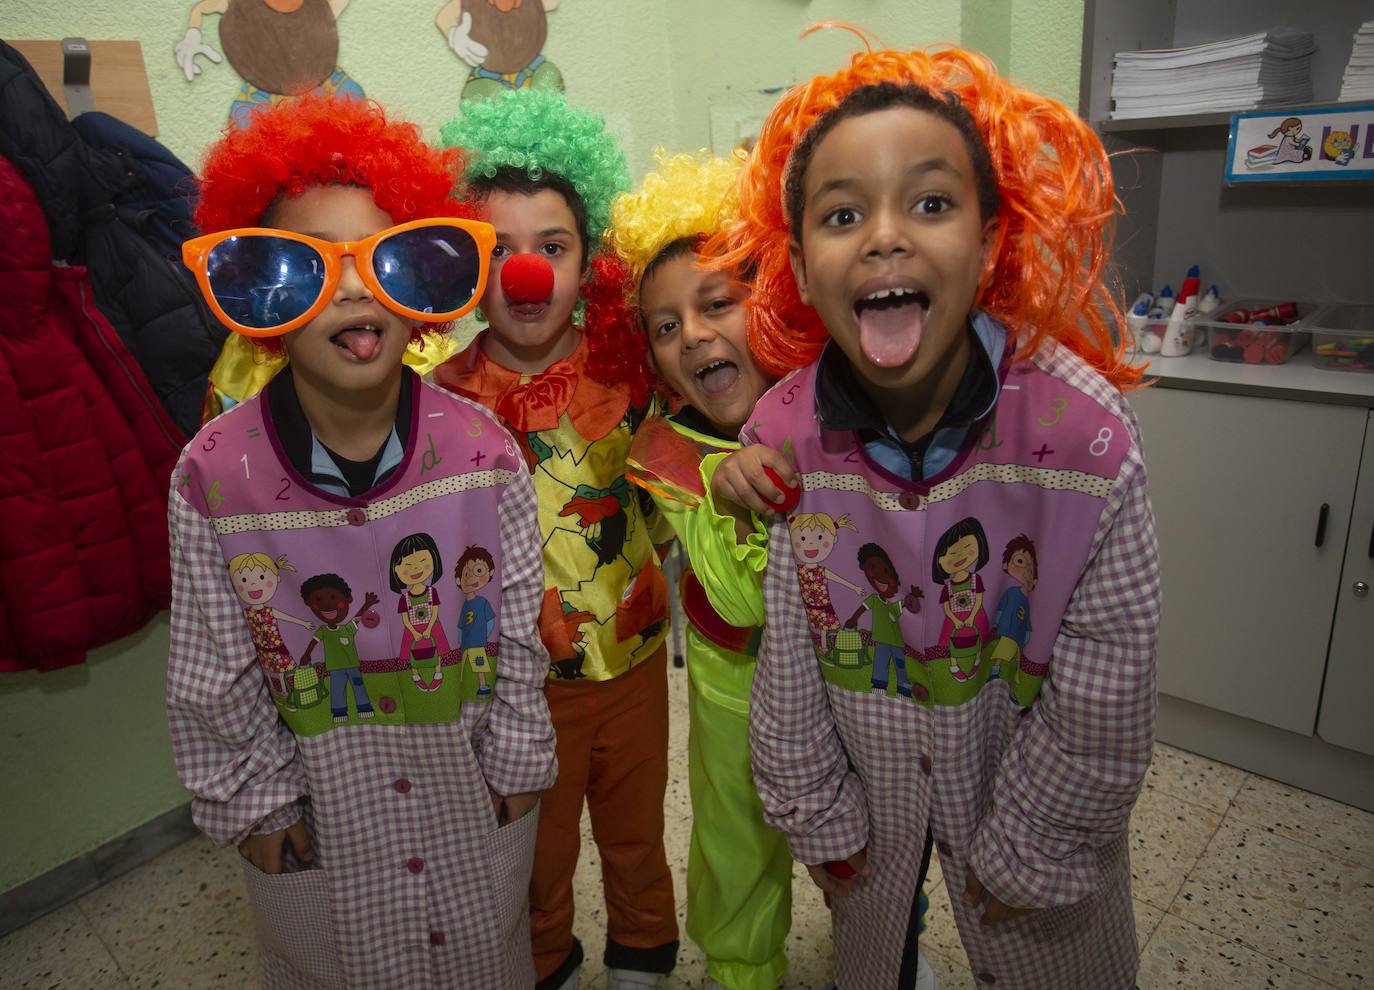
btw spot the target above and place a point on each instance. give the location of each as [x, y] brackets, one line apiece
[387, 836]
[926, 241]
[563, 366]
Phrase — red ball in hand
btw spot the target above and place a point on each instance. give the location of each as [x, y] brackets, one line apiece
[791, 495]
[527, 278]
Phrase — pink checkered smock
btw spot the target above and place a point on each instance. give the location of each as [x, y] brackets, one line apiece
[414, 886]
[1021, 744]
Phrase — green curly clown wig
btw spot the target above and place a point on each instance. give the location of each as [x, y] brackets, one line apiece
[538, 131]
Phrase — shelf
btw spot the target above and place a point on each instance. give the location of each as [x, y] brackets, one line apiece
[1298, 379]
[1215, 118]
[1220, 118]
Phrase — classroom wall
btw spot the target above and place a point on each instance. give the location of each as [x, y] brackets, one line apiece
[84, 755]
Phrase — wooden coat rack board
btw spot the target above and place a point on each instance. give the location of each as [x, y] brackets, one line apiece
[115, 80]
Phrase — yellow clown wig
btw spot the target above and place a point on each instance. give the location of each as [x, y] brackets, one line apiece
[686, 198]
[1055, 205]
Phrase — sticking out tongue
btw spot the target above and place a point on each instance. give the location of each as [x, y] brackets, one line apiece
[719, 379]
[361, 343]
[890, 334]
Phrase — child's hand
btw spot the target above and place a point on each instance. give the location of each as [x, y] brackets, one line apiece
[742, 479]
[837, 886]
[995, 912]
[512, 807]
[264, 851]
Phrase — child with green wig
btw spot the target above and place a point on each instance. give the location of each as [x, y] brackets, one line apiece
[562, 365]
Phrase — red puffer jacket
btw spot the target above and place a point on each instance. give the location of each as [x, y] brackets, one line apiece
[86, 452]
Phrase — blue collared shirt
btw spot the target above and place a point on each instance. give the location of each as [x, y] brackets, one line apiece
[841, 404]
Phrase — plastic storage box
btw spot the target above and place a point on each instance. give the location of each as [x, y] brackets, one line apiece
[1257, 331]
[1343, 336]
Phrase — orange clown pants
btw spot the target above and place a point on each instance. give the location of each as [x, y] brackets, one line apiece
[613, 752]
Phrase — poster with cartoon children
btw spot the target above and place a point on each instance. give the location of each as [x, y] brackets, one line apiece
[959, 555]
[1331, 143]
[415, 561]
[256, 577]
[813, 540]
[472, 573]
[889, 649]
[329, 597]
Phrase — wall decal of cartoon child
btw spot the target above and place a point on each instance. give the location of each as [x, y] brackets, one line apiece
[472, 573]
[255, 577]
[959, 555]
[889, 649]
[813, 540]
[329, 597]
[1293, 146]
[415, 561]
[1012, 619]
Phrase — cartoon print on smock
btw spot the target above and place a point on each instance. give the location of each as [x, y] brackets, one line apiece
[1012, 622]
[959, 555]
[256, 578]
[415, 562]
[477, 620]
[329, 597]
[814, 535]
[889, 649]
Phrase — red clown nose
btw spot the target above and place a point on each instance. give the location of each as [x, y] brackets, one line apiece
[527, 278]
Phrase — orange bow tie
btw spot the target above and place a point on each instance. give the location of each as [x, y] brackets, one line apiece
[539, 403]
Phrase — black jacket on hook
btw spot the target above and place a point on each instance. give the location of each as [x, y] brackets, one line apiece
[118, 203]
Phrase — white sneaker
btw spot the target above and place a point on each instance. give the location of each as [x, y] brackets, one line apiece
[632, 979]
[925, 976]
[573, 980]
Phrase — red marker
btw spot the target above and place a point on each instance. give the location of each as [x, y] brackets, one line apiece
[791, 495]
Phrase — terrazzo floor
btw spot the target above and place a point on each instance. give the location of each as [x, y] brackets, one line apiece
[1238, 882]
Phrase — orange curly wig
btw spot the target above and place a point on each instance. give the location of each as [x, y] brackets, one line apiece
[1056, 208]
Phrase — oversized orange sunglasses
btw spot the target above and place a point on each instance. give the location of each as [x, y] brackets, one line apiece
[263, 282]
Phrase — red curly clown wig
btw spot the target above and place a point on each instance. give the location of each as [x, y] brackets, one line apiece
[321, 141]
[327, 141]
[1056, 204]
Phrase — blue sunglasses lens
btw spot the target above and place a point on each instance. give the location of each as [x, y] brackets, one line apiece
[262, 281]
[428, 269]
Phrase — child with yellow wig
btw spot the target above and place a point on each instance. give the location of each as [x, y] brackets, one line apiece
[926, 243]
[739, 875]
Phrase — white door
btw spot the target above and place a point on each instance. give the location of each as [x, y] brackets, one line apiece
[1347, 718]
[1250, 560]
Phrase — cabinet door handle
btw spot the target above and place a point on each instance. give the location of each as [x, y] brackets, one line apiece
[1371, 543]
[1321, 523]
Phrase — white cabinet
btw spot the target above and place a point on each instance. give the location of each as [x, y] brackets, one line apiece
[1252, 499]
[1346, 715]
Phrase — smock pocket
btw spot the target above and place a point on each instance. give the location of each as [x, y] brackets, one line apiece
[293, 913]
[511, 859]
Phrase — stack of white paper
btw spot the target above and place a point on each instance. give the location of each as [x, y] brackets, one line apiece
[1272, 68]
[1358, 82]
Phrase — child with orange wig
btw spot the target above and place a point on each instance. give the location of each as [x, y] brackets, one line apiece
[926, 241]
[406, 815]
